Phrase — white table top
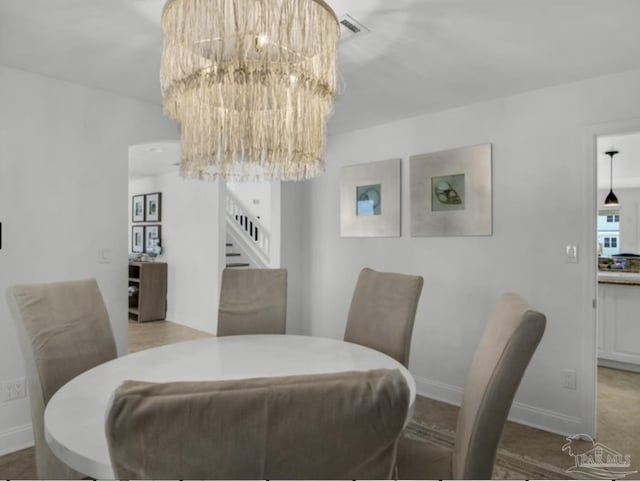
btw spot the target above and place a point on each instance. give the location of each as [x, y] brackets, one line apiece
[75, 416]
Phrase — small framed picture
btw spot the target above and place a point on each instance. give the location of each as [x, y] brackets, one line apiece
[451, 192]
[137, 238]
[370, 199]
[153, 207]
[151, 237]
[137, 208]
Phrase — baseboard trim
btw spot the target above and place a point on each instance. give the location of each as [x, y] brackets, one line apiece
[625, 366]
[546, 420]
[439, 391]
[16, 438]
[520, 413]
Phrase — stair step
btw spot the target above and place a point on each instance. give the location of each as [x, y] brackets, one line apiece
[237, 264]
[233, 254]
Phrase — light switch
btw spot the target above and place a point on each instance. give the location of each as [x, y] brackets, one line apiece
[572, 254]
[104, 255]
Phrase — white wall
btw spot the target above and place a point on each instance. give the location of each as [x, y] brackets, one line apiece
[63, 185]
[544, 181]
[293, 247]
[192, 226]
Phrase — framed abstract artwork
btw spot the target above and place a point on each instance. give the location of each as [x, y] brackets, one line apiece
[153, 207]
[451, 192]
[137, 238]
[137, 208]
[370, 199]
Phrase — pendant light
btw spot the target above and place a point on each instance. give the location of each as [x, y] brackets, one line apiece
[611, 199]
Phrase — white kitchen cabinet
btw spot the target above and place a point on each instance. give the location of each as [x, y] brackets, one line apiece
[619, 322]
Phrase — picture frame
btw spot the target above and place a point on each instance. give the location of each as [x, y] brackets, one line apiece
[451, 192]
[370, 199]
[152, 232]
[137, 239]
[138, 208]
[153, 207]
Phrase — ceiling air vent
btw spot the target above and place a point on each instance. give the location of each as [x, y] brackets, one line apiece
[350, 28]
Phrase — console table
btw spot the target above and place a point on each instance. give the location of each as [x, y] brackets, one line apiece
[147, 291]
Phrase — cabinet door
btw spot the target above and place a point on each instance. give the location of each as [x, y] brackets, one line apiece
[626, 324]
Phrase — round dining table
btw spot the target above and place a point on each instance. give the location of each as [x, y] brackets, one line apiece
[74, 418]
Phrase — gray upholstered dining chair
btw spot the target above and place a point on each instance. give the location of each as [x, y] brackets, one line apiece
[506, 347]
[64, 330]
[327, 426]
[253, 301]
[382, 312]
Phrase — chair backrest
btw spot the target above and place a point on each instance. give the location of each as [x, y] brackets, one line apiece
[332, 426]
[64, 330]
[253, 301]
[382, 312]
[506, 347]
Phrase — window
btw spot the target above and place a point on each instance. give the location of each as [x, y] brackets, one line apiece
[610, 242]
[608, 232]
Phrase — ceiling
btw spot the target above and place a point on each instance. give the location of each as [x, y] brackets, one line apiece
[421, 55]
[157, 158]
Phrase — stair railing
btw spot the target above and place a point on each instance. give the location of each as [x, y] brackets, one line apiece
[252, 231]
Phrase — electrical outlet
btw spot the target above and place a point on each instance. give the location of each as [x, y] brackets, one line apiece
[15, 389]
[569, 379]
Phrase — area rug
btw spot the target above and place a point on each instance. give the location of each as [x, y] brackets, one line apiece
[508, 465]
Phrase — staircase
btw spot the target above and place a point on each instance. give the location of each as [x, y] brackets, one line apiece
[235, 259]
[248, 240]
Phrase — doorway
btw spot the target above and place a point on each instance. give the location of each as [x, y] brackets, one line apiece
[618, 292]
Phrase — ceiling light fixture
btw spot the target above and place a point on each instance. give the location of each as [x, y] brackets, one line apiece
[611, 199]
[252, 83]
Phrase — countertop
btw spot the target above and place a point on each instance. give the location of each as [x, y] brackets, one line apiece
[624, 278]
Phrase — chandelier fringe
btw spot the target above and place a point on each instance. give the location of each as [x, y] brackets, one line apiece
[252, 83]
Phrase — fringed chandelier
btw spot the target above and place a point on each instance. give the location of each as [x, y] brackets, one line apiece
[251, 83]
